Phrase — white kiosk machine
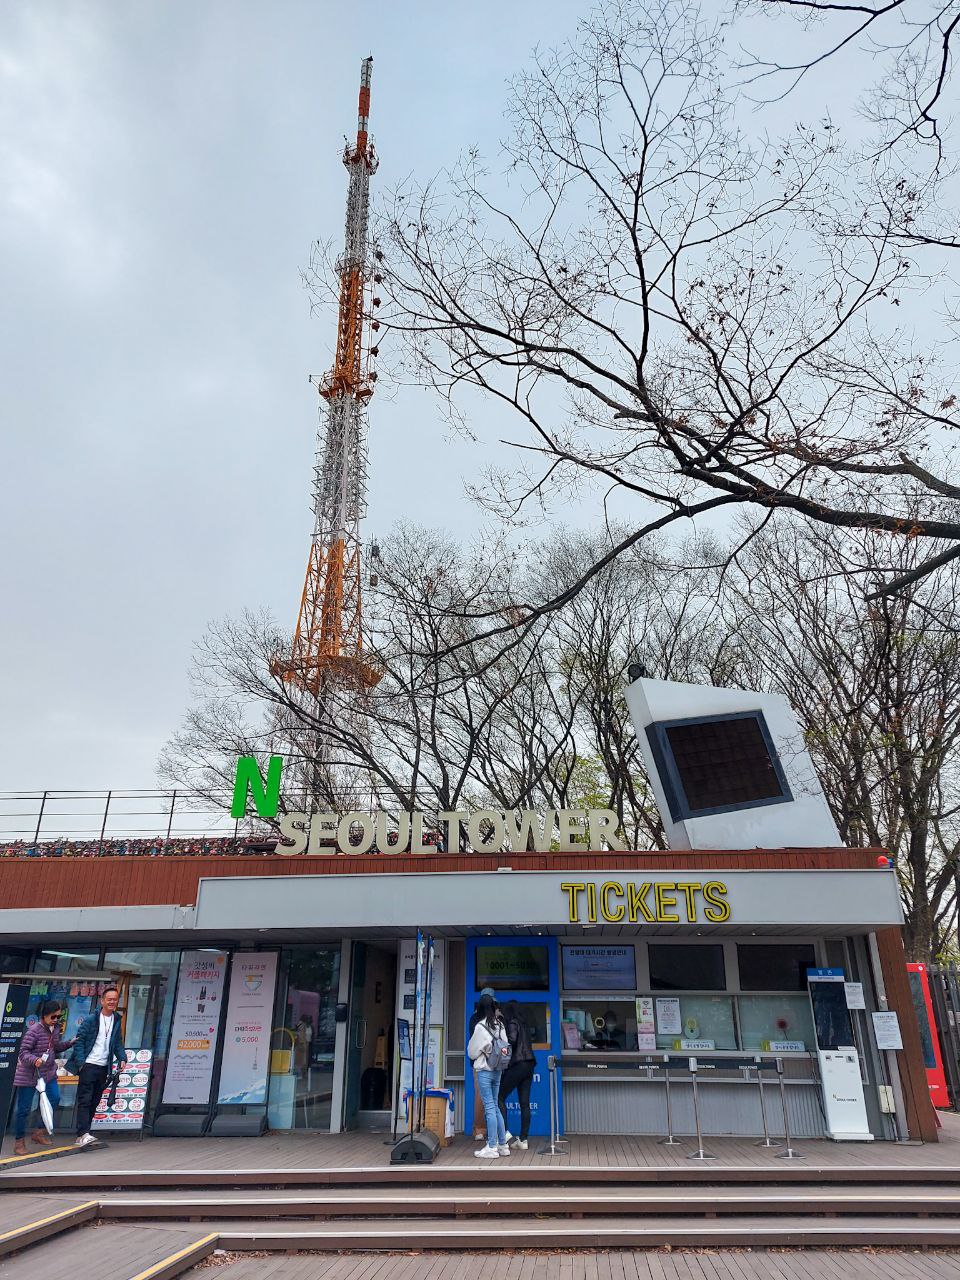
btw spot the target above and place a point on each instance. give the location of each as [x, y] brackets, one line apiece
[843, 1103]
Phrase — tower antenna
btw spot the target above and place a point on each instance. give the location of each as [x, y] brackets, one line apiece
[328, 642]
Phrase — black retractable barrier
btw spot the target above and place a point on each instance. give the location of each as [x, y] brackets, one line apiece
[789, 1154]
[699, 1154]
[550, 1148]
[670, 1140]
[766, 1140]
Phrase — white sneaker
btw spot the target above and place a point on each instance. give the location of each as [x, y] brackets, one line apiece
[503, 1149]
[519, 1144]
[488, 1153]
[508, 1138]
[478, 1136]
[85, 1140]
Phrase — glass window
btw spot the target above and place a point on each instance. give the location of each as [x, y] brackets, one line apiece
[701, 1018]
[766, 1019]
[775, 967]
[304, 1034]
[148, 982]
[14, 962]
[536, 1014]
[682, 967]
[78, 962]
[598, 1023]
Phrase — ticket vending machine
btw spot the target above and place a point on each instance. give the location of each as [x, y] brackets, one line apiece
[842, 1084]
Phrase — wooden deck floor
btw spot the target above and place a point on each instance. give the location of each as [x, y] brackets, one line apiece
[618, 1265]
[311, 1151]
[107, 1251]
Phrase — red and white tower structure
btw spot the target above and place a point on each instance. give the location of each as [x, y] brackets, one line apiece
[328, 642]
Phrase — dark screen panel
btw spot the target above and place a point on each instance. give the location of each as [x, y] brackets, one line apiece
[775, 966]
[723, 762]
[687, 967]
[517, 968]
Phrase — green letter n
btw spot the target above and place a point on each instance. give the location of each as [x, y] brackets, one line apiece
[249, 781]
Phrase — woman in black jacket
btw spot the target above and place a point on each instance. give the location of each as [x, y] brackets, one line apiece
[519, 1074]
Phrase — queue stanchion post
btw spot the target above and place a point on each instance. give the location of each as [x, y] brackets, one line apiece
[789, 1154]
[669, 1140]
[553, 1090]
[766, 1141]
[699, 1154]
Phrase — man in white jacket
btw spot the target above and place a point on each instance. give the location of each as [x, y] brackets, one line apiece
[489, 1035]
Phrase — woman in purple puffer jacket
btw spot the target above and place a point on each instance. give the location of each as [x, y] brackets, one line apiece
[37, 1057]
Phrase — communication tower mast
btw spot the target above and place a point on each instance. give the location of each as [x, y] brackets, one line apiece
[328, 642]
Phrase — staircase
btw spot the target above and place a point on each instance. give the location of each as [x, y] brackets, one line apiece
[457, 1208]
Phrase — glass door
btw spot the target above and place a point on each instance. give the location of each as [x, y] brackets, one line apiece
[302, 1044]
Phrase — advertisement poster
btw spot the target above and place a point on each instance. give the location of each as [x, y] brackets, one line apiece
[133, 1089]
[246, 1040]
[646, 1030]
[668, 1016]
[13, 1017]
[599, 968]
[196, 1020]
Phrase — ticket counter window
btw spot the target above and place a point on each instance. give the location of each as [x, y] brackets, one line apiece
[599, 1024]
[775, 1019]
[536, 1014]
[702, 1018]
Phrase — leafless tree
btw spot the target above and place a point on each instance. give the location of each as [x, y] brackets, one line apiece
[456, 721]
[876, 686]
[911, 43]
[652, 303]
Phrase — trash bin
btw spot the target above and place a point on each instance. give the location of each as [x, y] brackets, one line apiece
[373, 1088]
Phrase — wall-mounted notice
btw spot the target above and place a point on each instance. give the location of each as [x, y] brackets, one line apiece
[196, 1021]
[854, 993]
[669, 1022]
[130, 1102]
[646, 1030]
[246, 1039]
[886, 1027]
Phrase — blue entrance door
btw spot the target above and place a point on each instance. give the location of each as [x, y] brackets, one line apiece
[525, 970]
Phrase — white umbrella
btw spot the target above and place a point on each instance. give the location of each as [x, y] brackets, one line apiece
[46, 1111]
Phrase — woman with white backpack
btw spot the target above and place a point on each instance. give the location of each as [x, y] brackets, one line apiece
[489, 1052]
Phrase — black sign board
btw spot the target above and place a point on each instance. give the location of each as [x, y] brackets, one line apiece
[14, 998]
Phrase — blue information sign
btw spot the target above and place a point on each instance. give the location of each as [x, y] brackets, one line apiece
[403, 1038]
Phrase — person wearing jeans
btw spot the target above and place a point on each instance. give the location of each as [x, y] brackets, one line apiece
[98, 1046]
[37, 1056]
[489, 1028]
[519, 1075]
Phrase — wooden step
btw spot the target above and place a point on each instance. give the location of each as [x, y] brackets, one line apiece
[70, 1173]
[647, 1233]
[39, 1221]
[527, 1202]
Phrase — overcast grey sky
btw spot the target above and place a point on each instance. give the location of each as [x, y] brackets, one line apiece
[166, 166]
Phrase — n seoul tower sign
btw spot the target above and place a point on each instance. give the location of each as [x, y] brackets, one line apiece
[487, 830]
